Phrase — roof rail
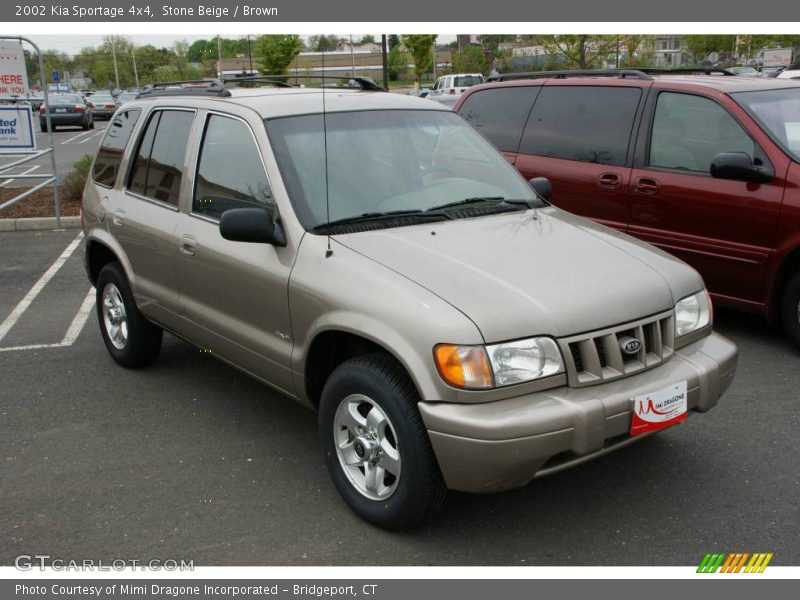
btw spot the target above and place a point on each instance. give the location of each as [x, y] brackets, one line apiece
[621, 73]
[687, 71]
[194, 87]
[364, 83]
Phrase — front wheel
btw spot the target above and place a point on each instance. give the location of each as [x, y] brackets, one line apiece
[130, 338]
[376, 446]
[790, 309]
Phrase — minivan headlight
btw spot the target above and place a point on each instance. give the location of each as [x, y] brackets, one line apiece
[692, 313]
[498, 365]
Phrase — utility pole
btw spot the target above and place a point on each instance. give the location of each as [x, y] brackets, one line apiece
[219, 57]
[250, 54]
[384, 43]
[135, 72]
[114, 57]
[352, 55]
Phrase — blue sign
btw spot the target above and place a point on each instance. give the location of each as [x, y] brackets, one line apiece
[55, 76]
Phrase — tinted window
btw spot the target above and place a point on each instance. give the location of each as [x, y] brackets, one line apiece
[109, 157]
[586, 123]
[64, 99]
[161, 156]
[500, 114]
[689, 130]
[230, 173]
[468, 80]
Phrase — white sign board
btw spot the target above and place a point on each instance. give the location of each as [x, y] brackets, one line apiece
[16, 129]
[13, 75]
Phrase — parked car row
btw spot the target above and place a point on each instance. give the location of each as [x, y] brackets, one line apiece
[705, 167]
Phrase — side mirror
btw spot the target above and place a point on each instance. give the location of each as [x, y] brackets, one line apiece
[738, 166]
[542, 186]
[255, 225]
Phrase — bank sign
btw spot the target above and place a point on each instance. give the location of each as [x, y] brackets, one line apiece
[16, 129]
[13, 76]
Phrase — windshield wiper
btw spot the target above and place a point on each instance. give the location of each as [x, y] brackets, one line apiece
[379, 216]
[485, 199]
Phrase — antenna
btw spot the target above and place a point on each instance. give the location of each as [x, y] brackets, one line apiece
[329, 251]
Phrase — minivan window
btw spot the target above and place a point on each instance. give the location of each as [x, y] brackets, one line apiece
[500, 114]
[387, 160]
[688, 131]
[161, 155]
[778, 112]
[109, 157]
[230, 173]
[586, 124]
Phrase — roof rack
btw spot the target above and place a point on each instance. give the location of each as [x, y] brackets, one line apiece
[621, 73]
[644, 73]
[363, 83]
[193, 87]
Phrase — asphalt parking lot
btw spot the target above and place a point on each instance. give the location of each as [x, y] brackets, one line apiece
[191, 459]
[71, 144]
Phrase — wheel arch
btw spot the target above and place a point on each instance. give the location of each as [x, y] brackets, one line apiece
[99, 251]
[788, 267]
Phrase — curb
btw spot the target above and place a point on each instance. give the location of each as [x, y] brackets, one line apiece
[38, 223]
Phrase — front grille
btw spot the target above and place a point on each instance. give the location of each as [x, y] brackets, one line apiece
[598, 356]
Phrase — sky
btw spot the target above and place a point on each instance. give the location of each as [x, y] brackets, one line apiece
[72, 44]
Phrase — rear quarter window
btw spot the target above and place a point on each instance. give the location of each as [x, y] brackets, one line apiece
[109, 157]
[500, 114]
[582, 123]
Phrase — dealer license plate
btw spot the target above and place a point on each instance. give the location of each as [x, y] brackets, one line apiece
[61, 110]
[658, 410]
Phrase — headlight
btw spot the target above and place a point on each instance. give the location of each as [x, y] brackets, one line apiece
[498, 365]
[692, 313]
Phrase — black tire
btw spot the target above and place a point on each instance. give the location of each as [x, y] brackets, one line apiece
[790, 309]
[85, 126]
[43, 126]
[420, 491]
[91, 122]
[143, 342]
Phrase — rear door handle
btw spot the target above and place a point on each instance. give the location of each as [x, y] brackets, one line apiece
[188, 245]
[647, 186]
[610, 181]
[119, 218]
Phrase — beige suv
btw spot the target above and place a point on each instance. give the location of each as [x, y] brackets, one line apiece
[372, 256]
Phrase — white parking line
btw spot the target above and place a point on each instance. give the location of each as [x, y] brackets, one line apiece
[23, 305]
[91, 137]
[25, 172]
[75, 137]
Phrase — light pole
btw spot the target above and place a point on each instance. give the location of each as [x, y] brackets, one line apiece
[135, 72]
[114, 57]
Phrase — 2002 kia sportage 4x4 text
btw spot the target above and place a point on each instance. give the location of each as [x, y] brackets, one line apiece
[372, 256]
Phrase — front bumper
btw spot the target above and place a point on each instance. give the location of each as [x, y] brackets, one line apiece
[502, 445]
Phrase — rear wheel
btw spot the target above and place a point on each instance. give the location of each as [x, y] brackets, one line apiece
[376, 446]
[130, 338]
[790, 309]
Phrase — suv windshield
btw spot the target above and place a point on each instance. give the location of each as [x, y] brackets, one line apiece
[385, 161]
[778, 112]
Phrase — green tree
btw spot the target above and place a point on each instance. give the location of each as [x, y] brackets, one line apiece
[421, 48]
[396, 63]
[323, 43]
[368, 39]
[393, 40]
[276, 52]
[700, 46]
[580, 51]
[469, 60]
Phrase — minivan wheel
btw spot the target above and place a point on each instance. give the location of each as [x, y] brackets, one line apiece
[130, 338]
[376, 446]
[790, 310]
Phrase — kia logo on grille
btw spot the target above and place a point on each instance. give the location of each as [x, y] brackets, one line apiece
[630, 345]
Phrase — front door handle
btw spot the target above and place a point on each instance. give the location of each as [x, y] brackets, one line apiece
[610, 181]
[188, 245]
[119, 218]
[647, 186]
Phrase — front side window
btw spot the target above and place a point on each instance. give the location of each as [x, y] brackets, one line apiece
[230, 173]
[109, 157]
[582, 123]
[387, 160]
[688, 131]
[778, 112]
[161, 155]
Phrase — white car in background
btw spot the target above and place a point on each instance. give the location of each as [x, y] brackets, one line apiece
[449, 88]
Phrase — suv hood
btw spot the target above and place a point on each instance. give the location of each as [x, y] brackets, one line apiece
[534, 272]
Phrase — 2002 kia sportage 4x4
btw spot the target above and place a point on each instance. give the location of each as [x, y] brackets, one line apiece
[372, 256]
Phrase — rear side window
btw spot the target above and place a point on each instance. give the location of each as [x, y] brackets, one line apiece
[230, 173]
[688, 131]
[109, 157]
[582, 123]
[500, 114]
[161, 155]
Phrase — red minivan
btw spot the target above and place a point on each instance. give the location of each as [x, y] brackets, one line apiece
[706, 167]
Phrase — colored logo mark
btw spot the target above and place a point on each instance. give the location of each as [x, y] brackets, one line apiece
[735, 562]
